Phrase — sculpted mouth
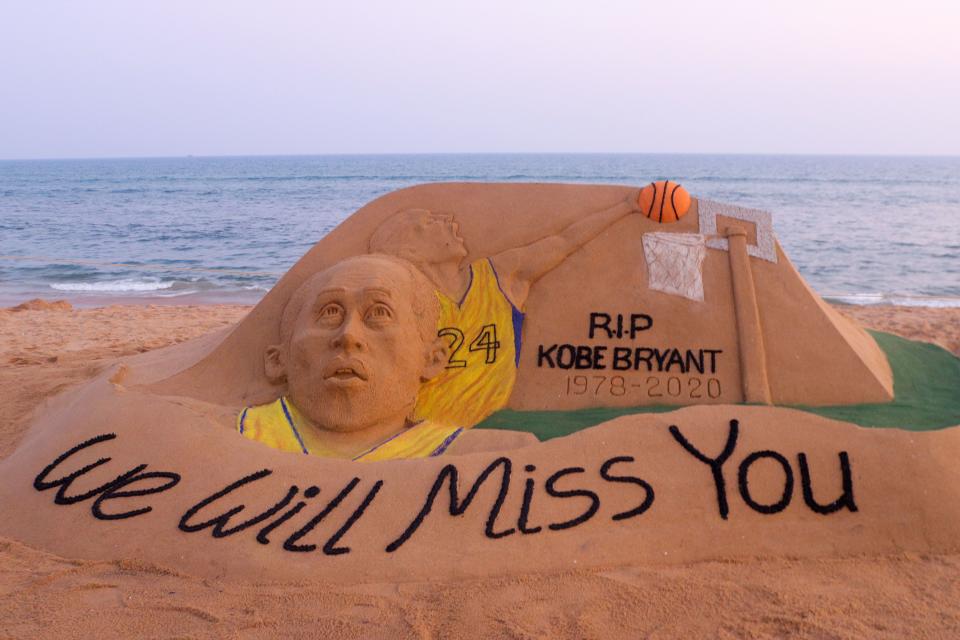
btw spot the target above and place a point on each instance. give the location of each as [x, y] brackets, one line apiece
[346, 372]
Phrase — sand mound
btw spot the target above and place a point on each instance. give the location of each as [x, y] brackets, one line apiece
[43, 305]
[734, 312]
[786, 484]
[895, 596]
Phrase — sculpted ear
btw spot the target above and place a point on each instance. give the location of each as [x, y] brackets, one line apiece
[274, 366]
[437, 356]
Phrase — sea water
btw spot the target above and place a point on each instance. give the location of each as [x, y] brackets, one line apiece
[862, 230]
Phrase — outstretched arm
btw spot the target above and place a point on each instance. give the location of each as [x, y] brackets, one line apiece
[520, 267]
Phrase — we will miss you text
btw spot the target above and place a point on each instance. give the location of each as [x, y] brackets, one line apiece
[297, 512]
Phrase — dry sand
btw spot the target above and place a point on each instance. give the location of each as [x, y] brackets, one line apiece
[49, 348]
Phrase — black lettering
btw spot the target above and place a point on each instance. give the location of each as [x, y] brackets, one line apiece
[744, 471]
[570, 352]
[219, 522]
[546, 356]
[450, 475]
[621, 358]
[219, 532]
[114, 492]
[290, 543]
[639, 322]
[595, 323]
[267, 530]
[528, 489]
[715, 464]
[648, 490]
[40, 483]
[661, 357]
[845, 499]
[713, 358]
[330, 547]
[694, 361]
[571, 493]
[599, 353]
[584, 357]
[262, 538]
[643, 354]
[111, 490]
[676, 358]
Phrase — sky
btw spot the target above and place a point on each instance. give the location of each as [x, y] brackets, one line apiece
[131, 79]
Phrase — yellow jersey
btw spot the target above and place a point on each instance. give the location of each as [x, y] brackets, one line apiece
[276, 425]
[483, 334]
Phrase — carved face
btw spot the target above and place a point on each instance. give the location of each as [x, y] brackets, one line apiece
[434, 237]
[356, 356]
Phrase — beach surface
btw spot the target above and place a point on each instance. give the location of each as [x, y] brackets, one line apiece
[47, 347]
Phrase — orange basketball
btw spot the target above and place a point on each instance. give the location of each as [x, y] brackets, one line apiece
[664, 201]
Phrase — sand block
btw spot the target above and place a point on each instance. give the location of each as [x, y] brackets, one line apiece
[812, 355]
[145, 462]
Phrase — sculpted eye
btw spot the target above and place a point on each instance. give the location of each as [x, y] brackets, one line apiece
[330, 313]
[379, 312]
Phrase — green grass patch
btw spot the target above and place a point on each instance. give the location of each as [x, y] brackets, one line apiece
[926, 389]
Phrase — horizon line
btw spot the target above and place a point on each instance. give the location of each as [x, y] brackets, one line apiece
[488, 153]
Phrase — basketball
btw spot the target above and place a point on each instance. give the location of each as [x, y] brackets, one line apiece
[664, 201]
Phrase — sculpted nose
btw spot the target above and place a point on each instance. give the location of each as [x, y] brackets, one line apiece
[350, 336]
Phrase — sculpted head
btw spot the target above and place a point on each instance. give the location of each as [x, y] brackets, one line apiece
[356, 342]
[420, 236]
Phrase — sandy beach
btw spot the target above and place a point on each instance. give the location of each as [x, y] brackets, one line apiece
[48, 347]
[546, 320]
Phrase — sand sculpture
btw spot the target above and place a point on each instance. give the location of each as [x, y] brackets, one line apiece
[480, 303]
[666, 348]
[595, 294]
[357, 341]
[329, 356]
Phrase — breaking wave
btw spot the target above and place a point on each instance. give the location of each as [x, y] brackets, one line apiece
[114, 286]
[899, 300]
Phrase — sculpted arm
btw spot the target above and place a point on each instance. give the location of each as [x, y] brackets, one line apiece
[520, 267]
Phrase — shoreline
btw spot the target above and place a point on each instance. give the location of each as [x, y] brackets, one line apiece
[98, 301]
[91, 300]
[938, 325]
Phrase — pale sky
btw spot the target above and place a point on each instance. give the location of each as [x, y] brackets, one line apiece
[171, 77]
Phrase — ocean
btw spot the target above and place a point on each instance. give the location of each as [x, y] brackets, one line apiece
[862, 230]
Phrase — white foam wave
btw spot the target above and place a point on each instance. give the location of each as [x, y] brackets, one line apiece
[867, 299]
[114, 286]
